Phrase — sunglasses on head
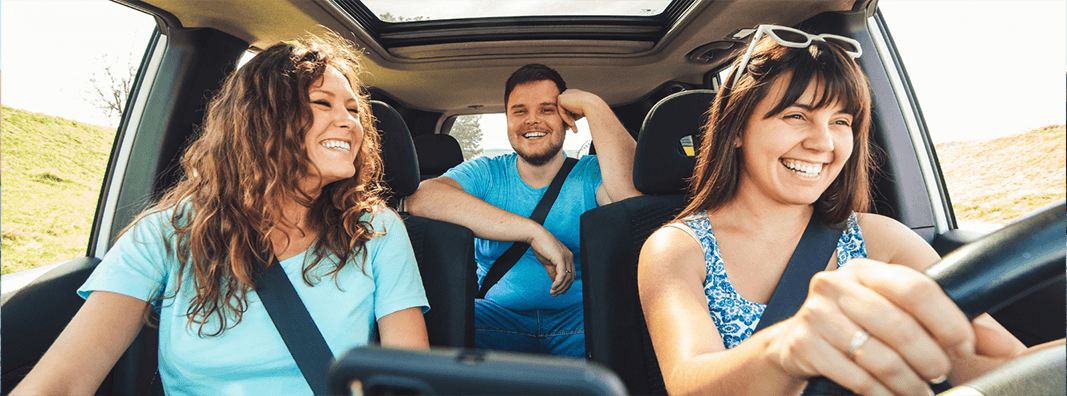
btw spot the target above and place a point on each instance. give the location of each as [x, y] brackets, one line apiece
[795, 38]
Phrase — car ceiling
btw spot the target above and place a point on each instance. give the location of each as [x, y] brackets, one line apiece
[468, 76]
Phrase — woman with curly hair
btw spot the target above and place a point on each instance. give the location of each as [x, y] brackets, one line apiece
[287, 167]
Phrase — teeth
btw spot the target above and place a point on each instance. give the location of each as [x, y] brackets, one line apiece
[810, 170]
[534, 135]
[337, 145]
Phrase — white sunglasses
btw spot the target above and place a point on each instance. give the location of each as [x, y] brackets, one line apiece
[794, 38]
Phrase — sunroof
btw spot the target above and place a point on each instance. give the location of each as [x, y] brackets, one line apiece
[410, 23]
[420, 10]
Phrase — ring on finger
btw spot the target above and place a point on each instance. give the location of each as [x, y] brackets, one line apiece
[858, 340]
[570, 272]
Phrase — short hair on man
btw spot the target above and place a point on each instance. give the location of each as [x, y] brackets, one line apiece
[532, 73]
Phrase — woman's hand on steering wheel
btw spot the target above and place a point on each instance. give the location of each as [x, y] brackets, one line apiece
[874, 328]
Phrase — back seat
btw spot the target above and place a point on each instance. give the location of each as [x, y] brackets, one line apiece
[612, 236]
[444, 251]
[437, 153]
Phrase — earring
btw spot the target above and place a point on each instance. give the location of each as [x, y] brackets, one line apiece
[737, 142]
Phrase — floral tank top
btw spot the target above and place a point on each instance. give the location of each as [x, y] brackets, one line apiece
[735, 316]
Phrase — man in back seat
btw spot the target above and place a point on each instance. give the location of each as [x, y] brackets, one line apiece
[537, 305]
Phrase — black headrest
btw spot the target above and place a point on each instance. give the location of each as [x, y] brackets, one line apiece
[401, 165]
[437, 153]
[660, 165]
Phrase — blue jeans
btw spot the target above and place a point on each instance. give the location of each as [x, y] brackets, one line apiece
[557, 332]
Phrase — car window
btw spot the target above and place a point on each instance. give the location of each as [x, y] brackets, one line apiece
[486, 135]
[996, 122]
[60, 112]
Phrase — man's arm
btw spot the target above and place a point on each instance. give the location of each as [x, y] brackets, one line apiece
[614, 145]
[444, 199]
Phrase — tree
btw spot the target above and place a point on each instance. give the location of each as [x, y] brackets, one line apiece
[468, 131]
[387, 17]
[111, 86]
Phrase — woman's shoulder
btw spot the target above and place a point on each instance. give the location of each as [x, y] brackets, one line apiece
[674, 243]
[876, 226]
[161, 220]
[382, 215]
[893, 242]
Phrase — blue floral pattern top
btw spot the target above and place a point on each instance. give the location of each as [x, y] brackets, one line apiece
[735, 316]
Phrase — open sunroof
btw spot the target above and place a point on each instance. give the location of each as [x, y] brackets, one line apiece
[404, 23]
[414, 10]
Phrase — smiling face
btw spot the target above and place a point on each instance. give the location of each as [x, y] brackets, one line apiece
[535, 128]
[336, 134]
[792, 157]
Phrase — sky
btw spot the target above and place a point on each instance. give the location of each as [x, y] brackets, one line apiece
[946, 46]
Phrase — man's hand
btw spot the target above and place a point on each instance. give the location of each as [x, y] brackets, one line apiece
[614, 145]
[557, 259]
[572, 105]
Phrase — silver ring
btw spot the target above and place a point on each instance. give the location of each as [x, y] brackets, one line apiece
[858, 340]
[570, 272]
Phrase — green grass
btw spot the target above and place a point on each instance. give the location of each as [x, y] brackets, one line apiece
[52, 170]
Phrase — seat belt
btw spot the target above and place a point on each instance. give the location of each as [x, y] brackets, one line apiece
[298, 330]
[810, 257]
[507, 260]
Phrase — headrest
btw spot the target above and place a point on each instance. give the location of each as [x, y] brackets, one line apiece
[660, 165]
[401, 165]
[437, 153]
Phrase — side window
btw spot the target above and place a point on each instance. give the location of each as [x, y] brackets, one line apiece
[993, 104]
[487, 135]
[63, 95]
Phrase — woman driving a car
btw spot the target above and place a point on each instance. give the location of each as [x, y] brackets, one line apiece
[787, 141]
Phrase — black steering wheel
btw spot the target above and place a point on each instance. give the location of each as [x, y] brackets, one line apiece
[990, 273]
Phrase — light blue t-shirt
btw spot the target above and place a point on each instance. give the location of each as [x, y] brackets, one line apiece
[496, 181]
[250, 358]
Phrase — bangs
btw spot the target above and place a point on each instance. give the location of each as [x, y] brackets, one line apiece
[834, 80]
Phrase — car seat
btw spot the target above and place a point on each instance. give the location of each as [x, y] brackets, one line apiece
[437, 154]
[612, 236]
[444, 251]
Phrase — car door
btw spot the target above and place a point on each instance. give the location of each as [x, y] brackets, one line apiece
[919, 186]
[180, 68]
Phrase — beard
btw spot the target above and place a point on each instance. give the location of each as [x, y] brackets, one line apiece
[542, 157]
[538, 158]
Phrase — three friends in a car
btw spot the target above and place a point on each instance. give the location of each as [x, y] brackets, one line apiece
[288, 167]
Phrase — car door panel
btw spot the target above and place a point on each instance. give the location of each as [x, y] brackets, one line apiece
[37, 313]
[193, 64]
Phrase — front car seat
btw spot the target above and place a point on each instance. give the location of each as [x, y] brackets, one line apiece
[444, 251]
[612, 236]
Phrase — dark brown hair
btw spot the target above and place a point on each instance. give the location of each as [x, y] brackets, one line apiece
[533, 72]
[838, 79]
[247, 161]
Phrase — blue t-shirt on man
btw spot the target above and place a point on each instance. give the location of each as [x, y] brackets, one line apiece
[496, 181]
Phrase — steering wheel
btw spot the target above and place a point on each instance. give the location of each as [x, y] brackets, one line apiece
[990, 273]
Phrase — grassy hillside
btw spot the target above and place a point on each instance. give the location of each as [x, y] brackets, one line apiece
[52, 170]
[997, 180]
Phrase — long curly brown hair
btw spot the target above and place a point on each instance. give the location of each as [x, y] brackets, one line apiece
[247, 161]
[717, 171]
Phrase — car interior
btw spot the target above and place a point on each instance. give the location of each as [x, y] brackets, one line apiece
[658, 66]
